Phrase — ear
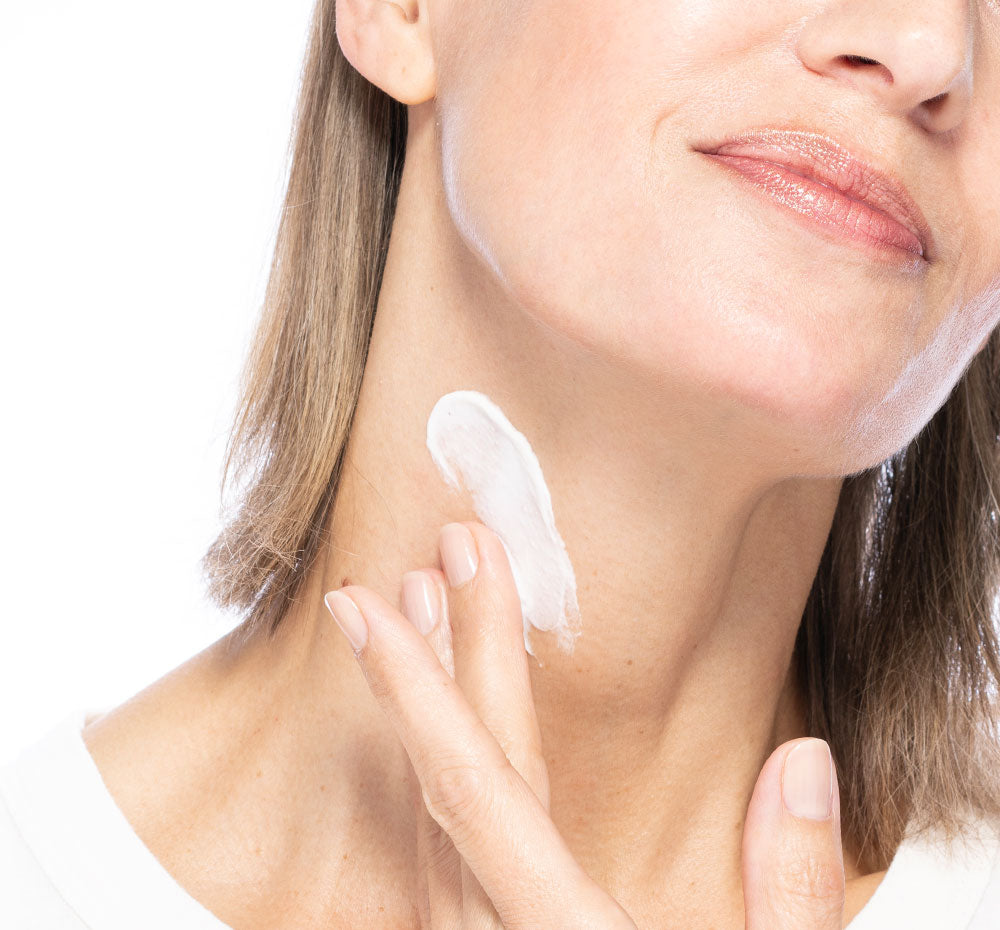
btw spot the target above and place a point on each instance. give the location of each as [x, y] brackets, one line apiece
[389, 43]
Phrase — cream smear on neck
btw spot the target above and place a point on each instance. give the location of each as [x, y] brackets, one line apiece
[473, 443]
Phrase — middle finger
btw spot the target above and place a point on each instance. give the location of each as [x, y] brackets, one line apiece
[491, 668]
[491, 664]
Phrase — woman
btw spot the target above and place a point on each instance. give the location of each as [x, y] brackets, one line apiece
[766, 409]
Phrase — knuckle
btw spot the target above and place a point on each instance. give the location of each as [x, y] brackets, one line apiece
[811, 877]
[455, 793]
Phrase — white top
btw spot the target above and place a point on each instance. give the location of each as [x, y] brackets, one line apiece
[70, 860]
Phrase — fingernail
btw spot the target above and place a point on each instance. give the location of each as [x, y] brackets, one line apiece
[348, 618]
[458, 553]
[420, 601]
[807, 780]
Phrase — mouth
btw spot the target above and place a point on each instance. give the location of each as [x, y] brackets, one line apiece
[832, 189]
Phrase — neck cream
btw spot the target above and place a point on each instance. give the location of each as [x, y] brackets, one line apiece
[473, 444]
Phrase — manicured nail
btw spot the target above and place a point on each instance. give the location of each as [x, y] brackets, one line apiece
[348, 618]
[807, 780]
[420, 601]
[458, 553]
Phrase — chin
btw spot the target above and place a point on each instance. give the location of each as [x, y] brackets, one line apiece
[805, 405]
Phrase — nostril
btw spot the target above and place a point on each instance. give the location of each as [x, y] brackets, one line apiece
[860, 60]
[853, 61]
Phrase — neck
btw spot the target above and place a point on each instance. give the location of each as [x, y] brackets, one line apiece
[693, 553]
[693, 558]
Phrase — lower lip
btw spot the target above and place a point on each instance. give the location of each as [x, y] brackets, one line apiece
[829, 209]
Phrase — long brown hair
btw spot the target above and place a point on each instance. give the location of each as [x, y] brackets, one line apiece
[898, 652]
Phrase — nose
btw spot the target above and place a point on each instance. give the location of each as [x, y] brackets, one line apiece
[914, 56]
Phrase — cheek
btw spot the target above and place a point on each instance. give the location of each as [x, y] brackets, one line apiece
[549, 116]
[547, 150]
[567, 167]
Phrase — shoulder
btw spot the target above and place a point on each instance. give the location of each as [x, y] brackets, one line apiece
[69, 857]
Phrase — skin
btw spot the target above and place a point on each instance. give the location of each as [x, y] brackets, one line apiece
[695, 370]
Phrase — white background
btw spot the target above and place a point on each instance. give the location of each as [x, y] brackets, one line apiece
[142, 162]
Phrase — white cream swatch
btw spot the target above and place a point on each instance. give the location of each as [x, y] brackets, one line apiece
[473, 444]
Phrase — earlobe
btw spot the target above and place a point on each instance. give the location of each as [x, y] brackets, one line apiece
[388, 42]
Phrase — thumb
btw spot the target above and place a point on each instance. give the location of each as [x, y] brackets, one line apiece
[793, 863]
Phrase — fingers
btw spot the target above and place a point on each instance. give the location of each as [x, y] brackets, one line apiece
[793, 865]
[494, 818]
[491, 664]
[491, 669]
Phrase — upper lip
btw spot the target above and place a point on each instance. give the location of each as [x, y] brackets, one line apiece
[814, 155]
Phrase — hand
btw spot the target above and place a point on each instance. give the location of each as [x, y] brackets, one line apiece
[458, 694]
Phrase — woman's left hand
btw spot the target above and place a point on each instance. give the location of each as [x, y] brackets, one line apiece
[453, 680]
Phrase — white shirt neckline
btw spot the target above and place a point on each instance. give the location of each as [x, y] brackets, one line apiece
[929, 886]
[112, 880]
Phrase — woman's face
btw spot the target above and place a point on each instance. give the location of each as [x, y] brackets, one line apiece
[570, 133]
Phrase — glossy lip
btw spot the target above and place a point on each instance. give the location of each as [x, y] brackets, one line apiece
[819, 158]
